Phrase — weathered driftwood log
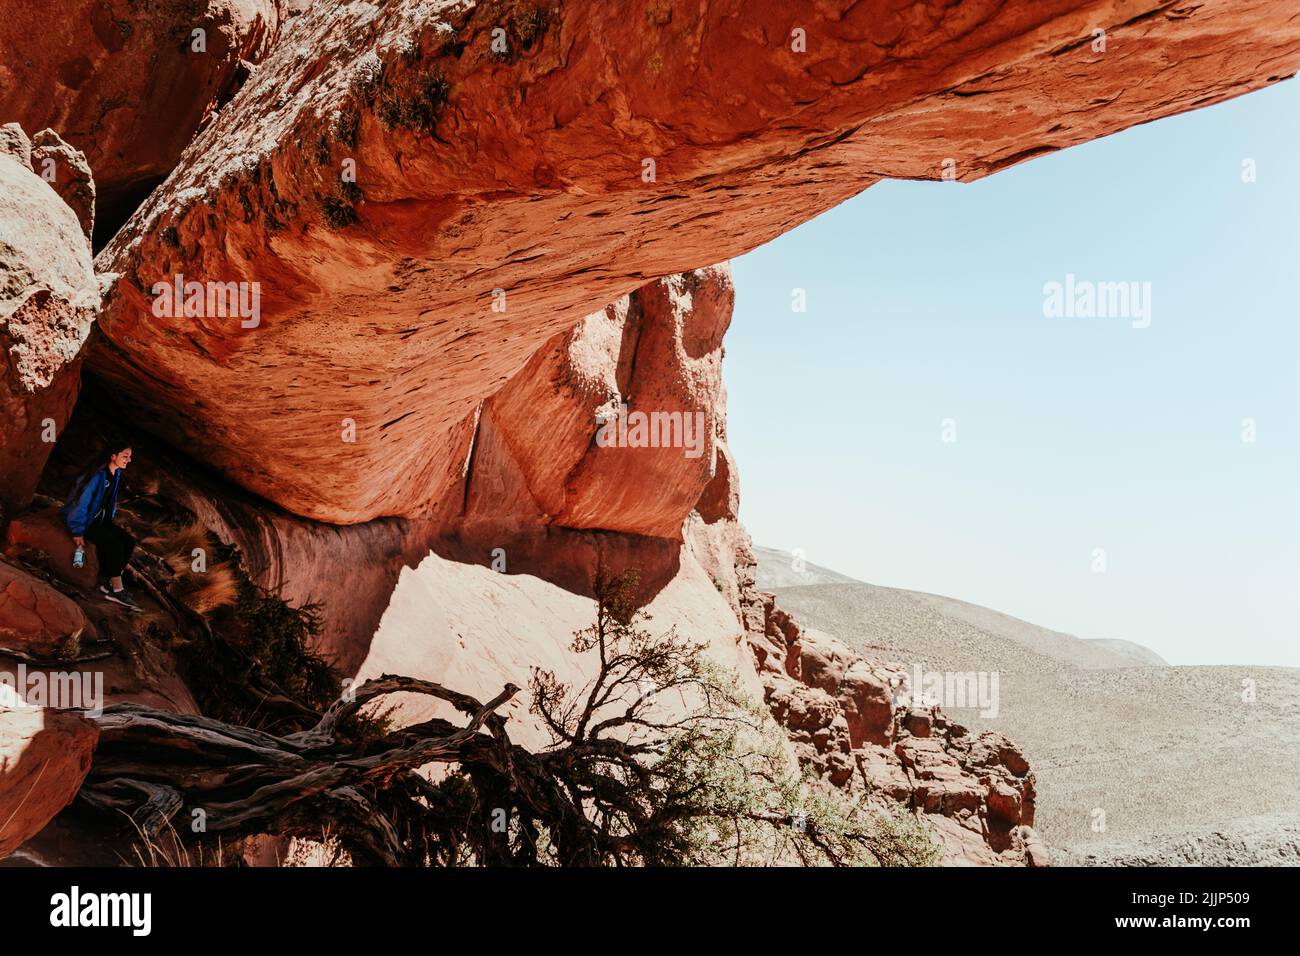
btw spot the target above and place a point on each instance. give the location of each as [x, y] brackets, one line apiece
[158, 768]
[152, 765]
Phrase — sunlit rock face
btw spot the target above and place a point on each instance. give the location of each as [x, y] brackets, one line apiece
[425, 194]
[44, 756]
[48, 298]
[613, 425]
[595, 452]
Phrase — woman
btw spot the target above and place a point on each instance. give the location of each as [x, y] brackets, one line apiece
[89, 513]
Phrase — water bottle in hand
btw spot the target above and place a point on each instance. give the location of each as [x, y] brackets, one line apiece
[79, 558]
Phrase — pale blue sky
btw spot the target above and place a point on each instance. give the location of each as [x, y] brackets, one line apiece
[925, 302]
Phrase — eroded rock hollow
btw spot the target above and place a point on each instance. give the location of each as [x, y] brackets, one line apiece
[422, 210]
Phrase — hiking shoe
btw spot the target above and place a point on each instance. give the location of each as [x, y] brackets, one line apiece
[122, 597]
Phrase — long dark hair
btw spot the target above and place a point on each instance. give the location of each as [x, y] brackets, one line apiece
[97, 464]
[105, 455]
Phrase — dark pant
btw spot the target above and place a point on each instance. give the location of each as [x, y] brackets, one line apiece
[112, 545]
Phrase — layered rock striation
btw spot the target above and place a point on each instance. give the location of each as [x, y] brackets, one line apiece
[425, 195]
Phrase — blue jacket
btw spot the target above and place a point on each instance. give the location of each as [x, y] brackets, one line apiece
[88, 497]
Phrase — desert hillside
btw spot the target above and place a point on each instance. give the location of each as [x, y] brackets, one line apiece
[1162, 750]
[780, 569]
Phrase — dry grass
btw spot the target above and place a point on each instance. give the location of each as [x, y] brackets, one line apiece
[205, 591]
[324, 852]
[70, 647]
[167, 850]
[175, 545]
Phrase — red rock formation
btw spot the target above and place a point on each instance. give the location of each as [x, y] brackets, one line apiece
[348, 572]
[537, 456]
[65, 168]
[526, 476]
[44, 756]
[843, 716]
[45, 533]
[125, 81]
[976, 794]
[436, 226]
[35, 619]
[525, 172]
[48, 298]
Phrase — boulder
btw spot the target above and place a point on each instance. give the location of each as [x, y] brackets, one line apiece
[44, 756]
[537, 453]
[949, 795]
[65, 168]
[48, 300]
[925, 756]
[34, 617]
[960, 843]
[819, 660]
[868, 706]
[883, 772]
[15, 144]
[1004, 772]
[1035, 850]
[992, 749]
[45, 536]
[806, 709]
[918, 723]
[1004, 801]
